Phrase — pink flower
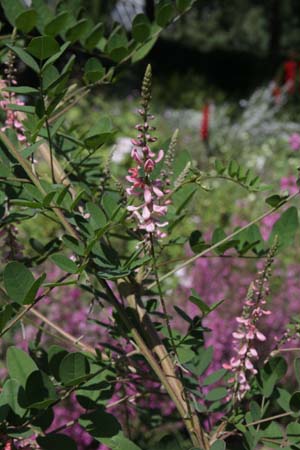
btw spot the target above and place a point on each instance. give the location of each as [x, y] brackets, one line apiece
[11, 120]
[294, 141]
[244, 337]
[289, 183]
[146, 189]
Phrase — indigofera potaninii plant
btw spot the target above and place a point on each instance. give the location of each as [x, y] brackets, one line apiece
[69, 214]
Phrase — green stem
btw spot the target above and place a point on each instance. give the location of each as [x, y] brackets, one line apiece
[223, 241]
[268, 419]
[47, 129]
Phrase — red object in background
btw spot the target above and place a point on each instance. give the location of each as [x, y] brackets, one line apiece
[290, 68]
[204, 129]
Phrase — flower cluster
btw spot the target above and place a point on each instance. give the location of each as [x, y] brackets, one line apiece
[294, 141]
[11, 248]
[145, 187]
[11, 121]
[241, 364]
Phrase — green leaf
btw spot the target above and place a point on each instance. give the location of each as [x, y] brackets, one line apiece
[56, 56]
[97, 219]
[17, 281]
[293, 432]
[24, 108]
[283, 399]
[44, 13]
[197, 242]
[56, 441]
[220, 168]
[100, 424]
[218, 445]
[111, 205]
[74, 245]
[12, 9]
[271, 373]
[141, 28]
[204, 308]
[24, 90]
[117, 46]
[93, 70]
[10, 396]
[26, 20]
[43, 47]
[65, 263]
[30, 295]
[276, 200]
[182, 5]
[94, 37]
[6, 313]
[25, 57]
[185, 354]
[119, 442]
[285, 227]
[143, 50]
[75, 32]
[73, 369]
[163, 12]
[214, 377]
[56, 25]
[100, 133]
[295, 402]
[55, 356]
[39, 391]
[204, 358]
[250, 238]
[297, 369]
[233, 169]
[216, 394]
[20, 365]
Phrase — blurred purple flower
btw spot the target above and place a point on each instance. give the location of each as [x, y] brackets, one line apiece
[294, 141]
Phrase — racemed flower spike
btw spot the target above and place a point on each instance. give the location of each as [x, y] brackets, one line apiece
[148, 191]
[247, 334]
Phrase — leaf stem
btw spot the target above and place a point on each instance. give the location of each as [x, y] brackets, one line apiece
[223, 241]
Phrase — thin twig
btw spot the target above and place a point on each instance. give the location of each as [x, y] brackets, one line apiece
[223, 241]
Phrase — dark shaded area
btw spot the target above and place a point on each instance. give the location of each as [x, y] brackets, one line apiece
[235, 72]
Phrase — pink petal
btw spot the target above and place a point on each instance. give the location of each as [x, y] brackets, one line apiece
[160, 156]
[150, 227]
[146, 213]
[260, 336]
[147, 195]
[248, 364]
[161, 210]
[157, 191]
